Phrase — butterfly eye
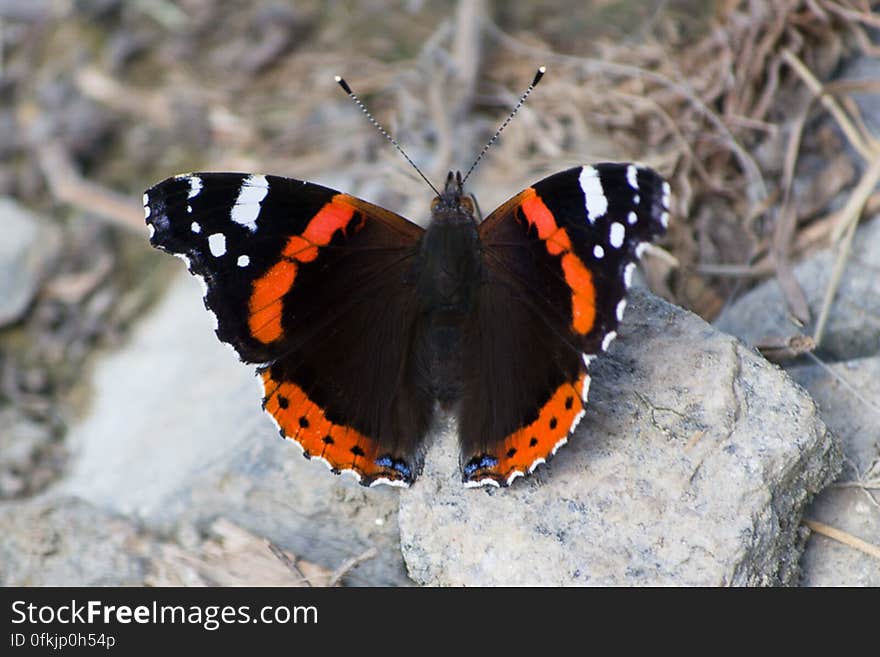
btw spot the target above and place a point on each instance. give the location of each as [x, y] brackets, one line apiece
[467, 204]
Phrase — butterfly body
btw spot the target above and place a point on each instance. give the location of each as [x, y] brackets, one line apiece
[449, 272]
[362, 323]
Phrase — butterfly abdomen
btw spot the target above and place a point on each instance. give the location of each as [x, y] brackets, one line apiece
[449, 275]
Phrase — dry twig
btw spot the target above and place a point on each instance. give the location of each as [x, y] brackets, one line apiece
[68, 186]
[843, 537]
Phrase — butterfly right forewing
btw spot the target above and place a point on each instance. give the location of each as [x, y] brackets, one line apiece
[559, 258]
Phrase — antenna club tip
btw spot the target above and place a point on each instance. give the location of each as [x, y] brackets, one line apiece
[539, 74]
[342, 83]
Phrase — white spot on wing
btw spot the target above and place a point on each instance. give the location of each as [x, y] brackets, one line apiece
[574, 424]
[594, 195]
[616, 234]
[185, 258]
[513, 476]
[353, 473]
[535, 464]
[195, 186]
[664, 219]
[243, 261]
[585, 392]
[598, 251]
[152, 229]
[195, 227]
[632, 176]
[608, 339]
[146, 199]
[667, 192]
[217, 244]
[640, 249]
[628, 274]
[587, 358]
[488, 481]
[632, 218]
[397, 483]
[562, 442]
[247, 206]
[189, 209]
[620, 308]
[204, 285]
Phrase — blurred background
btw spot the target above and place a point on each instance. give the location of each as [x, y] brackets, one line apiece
[100, 99]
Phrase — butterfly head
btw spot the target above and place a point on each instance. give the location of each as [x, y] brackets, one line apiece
[453, 204]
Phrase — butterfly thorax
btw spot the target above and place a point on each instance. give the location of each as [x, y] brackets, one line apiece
[449, 263]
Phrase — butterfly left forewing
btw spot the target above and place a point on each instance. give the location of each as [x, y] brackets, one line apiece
[559, 258]
[314, 286]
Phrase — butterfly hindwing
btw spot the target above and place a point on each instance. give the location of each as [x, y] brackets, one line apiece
[315, 287]
[559, 258]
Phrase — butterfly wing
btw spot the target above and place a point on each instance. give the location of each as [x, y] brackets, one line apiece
[559, 258]
[314, 287]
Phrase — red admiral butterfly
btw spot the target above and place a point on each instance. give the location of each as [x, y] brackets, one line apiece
[361, 322]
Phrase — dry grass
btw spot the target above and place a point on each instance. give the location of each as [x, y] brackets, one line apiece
[723, 117]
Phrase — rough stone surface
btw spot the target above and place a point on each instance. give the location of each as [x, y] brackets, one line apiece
[23, 444]
[27, 249]
[692, 467]
[847, 395]
[853, 329]
[175, 435]
[48, 541]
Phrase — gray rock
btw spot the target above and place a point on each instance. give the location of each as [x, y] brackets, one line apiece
[852, 330]
[55, 542]
[847, 395]
[27, 249]
[692, 467]
[27, 449]
[175, 435]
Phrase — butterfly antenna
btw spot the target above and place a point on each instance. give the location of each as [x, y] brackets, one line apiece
[538, 75]
[342, 83]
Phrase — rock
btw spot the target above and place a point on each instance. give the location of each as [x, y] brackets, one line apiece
[27, 250]
[847, 395]
[16, 11]
[692, 467]
[62, 541]
[231, 556]
[762, 313]
[29, 455]
[56, 540]
[175, 435]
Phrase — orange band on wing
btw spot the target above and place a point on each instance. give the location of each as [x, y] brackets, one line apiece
[583, 297]
[526, 448]
[264, 317]
[557, 242]
[267, 292]
[343, 448]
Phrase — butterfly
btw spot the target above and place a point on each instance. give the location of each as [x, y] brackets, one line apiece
[363, 324]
